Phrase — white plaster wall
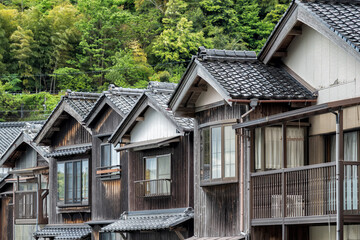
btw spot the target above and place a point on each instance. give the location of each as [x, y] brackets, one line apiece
[351, 232]
[154, 126]
[325, 66]
[208, 97]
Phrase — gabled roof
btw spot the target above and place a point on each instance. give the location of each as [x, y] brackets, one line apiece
[235, 75]
[9, 131]
[76, 104]
[337, 20]
[120, 99]
[156, 96]
[25, 137]
[150, 220]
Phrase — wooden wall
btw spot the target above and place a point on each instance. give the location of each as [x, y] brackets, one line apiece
[72, 132]
[294, 232]
[181, 176]
[6, 218]
[217, 208]
[107, 121]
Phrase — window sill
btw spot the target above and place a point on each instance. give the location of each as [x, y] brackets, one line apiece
[217, 182]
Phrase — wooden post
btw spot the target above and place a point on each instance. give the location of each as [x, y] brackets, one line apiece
[283, 181]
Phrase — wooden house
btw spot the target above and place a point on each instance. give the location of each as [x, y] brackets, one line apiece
[16, 151]
[158, 169]
[219, 89]
[70, 143]
[109, 183]
[304, 164]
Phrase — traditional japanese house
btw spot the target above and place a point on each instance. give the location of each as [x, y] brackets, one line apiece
[70, 143]
[159, 169]
[218, 89]
[10, 134]
[109, 182]
[304, 164]
[29, 176]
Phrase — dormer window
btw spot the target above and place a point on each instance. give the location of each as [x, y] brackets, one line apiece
[218, 155]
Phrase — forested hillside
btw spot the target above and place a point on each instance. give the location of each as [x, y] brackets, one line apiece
[84, 45]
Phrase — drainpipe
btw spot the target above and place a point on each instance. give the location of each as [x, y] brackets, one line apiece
[253, 104]
[338, 207]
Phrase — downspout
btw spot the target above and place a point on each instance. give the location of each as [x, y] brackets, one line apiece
[253, 104]
[337, 152]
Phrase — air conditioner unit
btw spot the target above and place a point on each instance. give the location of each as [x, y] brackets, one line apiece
[294, 206]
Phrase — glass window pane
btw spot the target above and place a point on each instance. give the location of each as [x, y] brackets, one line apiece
[216, 152]
[164, 167]
[295, 141]
[105, 155]
[229, 145]
[273, 147]
[115, 156]
[69, 181]
[77, 183]
[150, 168]
[85, 180]
[61, 181]
[205, 154]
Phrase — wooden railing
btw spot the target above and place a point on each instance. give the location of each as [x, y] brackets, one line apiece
[307, 191]
[153, 188]
[27, 205]
[109, 172]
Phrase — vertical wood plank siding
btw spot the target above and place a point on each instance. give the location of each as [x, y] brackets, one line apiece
[180, 195]
[107, 121]
[217, 208]
[72, 132]
[6, 219]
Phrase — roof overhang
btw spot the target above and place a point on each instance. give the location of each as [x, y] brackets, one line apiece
[299, 113]
[22, 139]
[189, 88]
[56, 117]
[65, 231]
[70, 150]
[30, 171]
[155, 143]
[289, 27]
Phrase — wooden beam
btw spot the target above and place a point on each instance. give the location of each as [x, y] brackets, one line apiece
[180, 236]
[140, 119]
[295, 31]
[55, 129]
[108, 171]
[63, 117]
[280, 54]
[123, 236]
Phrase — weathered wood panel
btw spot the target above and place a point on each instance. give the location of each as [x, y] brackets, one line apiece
[181, 160]
[220, 113]
[109, 198]
[72, 132]
[6, 219]
[107, 121]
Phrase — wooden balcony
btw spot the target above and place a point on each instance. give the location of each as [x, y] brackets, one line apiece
[109, 172]
[30, 203]
[304, 194]
[153, 188]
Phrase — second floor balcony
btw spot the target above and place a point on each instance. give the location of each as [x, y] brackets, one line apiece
[31, 207]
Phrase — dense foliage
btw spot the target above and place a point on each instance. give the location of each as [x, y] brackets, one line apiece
[83, 45]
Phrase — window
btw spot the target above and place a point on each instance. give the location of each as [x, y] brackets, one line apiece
[109, 156]
[157, 175]
[110, 236]
[269, 150]
[218, 154]
[73, 182]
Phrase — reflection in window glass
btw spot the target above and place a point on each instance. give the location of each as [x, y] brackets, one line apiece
[85, 180]
[69, 182]
[229, 151]
[205, 153]
[216, 152]
[61, 182]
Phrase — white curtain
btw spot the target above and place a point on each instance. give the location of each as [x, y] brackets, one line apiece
[350, 174]
[295, 147]
[259, 152]
[273, 147]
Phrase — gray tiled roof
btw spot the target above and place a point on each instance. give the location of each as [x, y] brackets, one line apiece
[81, 102]
[9, 131]
[123, 98]
[150, 220]
[161, 96]
[341, 17]
[64, 231]
[241, 75]
[74, 150]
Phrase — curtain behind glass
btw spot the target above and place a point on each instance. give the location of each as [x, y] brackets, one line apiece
[229, 151]
[216, 152]
[273, 147]
[350, 174]
[295, 138]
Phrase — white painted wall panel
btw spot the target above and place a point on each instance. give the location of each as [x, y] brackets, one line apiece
[325, 66]
[208, 97]
[154, 126]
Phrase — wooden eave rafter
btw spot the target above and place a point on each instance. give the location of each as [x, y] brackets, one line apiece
[299, 113]
[290, 26]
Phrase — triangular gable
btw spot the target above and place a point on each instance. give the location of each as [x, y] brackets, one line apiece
[20, 141]
[138, 115]
[290, 26]
[58, 115]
